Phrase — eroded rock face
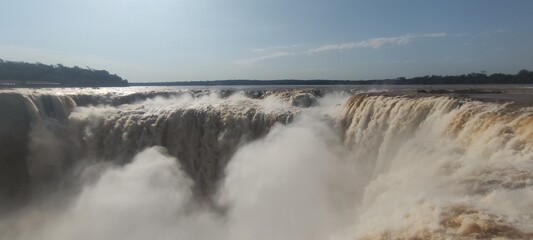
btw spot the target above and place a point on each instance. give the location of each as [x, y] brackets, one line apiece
[14, 128]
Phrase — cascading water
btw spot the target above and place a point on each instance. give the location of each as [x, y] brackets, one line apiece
[442, 167]
[263, 164]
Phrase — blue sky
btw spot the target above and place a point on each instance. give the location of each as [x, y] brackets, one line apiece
[174, 40]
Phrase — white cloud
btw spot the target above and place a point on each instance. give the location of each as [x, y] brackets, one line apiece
[370, 43]
[433, 35]
[251, 61]
[374, 42]
[276, 48]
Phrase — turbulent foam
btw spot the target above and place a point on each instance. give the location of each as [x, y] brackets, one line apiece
[202, 135]
[283, 164]
[197, 127]
[439, 167]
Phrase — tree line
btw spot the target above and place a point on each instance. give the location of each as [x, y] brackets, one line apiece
[522, 77]
[25, 74]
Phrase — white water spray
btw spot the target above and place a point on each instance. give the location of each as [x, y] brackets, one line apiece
[374, 167]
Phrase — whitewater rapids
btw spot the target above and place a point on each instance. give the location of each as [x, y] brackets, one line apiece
[137, 163]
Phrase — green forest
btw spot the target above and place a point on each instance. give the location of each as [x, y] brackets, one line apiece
[23, 74]
[522, 77]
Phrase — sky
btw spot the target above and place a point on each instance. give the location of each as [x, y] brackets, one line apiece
[184, 40]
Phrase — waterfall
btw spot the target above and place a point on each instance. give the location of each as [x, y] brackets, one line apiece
[263, 164]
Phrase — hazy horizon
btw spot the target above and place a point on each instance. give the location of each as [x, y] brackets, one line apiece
[163, 40]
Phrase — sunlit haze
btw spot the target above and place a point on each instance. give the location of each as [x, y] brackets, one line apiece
[164, 40]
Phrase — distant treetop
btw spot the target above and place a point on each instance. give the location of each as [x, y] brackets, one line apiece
[523, 77]
[35, 74]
